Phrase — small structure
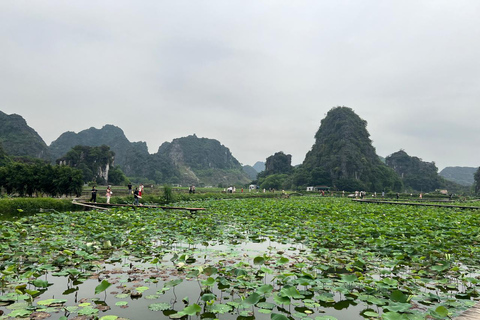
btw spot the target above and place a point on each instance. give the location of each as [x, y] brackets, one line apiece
[318, 188]
[445, 192]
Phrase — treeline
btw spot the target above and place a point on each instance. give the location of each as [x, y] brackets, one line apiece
[39, 178]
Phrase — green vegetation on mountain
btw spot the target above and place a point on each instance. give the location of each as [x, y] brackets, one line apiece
[343, 157]
[188, 160]
[259, 166]
[96, 164]
[250, 172]
[18, 139]
[460, 175]
[417, 175]
[278, 168]
[131, 157]
[202, 161]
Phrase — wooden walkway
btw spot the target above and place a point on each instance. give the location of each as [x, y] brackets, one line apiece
[471, 314]
[416, 204]
[108, 206]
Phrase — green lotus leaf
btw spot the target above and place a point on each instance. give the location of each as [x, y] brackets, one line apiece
[159, 306]
[276, 316]
[192, 309]
[221, 308]
[87, 311]
[258, 260]
[109, 318]
[102, 286]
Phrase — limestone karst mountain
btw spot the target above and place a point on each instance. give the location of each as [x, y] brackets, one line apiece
[18, 139]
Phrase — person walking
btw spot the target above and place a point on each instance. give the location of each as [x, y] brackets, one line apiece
[136, 196]
[94, 195]
[108, 194]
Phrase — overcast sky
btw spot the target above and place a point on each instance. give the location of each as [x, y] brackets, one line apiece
[258, 76]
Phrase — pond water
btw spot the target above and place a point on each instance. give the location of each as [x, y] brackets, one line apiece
[126, 275]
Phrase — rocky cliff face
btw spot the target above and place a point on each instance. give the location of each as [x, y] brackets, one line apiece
[203, 160]
[18, 139]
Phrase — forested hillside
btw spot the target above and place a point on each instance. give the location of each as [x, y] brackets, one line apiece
[202, 160]
[18, 139]
[343, 157]
[417, 175]
[188, 160]
[131, 157]
[460, 175]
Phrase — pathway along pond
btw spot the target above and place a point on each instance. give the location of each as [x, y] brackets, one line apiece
[302, 258]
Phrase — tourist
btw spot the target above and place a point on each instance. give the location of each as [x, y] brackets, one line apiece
[94, 195]
[136, 196]
[108, 194]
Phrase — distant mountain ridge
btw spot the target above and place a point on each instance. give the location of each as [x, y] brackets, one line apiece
[461, 175]
[187, 160]
[259, 166]
[130, 156]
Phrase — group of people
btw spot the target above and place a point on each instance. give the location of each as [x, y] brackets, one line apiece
[137, 194]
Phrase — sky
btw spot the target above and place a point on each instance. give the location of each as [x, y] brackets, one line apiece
[258, 76]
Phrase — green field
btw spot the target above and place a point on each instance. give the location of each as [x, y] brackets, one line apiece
[304, 257]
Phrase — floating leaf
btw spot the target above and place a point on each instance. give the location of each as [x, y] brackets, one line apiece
[50, 302]
[87, 311]
[109, 318]
[141, 289]
[159, 306]
[276, 316]
[221, 308]
[40, 283]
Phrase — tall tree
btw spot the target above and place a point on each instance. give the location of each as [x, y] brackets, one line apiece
[477, 181]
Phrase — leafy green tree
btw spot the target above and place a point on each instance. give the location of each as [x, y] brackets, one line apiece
[4, 158]
[476, 177]
[68, 181]
[94, 162]
[116, 176]
[274, 181]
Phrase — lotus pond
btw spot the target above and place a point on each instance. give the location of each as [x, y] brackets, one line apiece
[298, 258]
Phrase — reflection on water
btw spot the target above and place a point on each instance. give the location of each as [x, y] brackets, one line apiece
[127, 274]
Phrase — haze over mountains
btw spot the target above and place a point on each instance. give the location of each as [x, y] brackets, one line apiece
[186, 160]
